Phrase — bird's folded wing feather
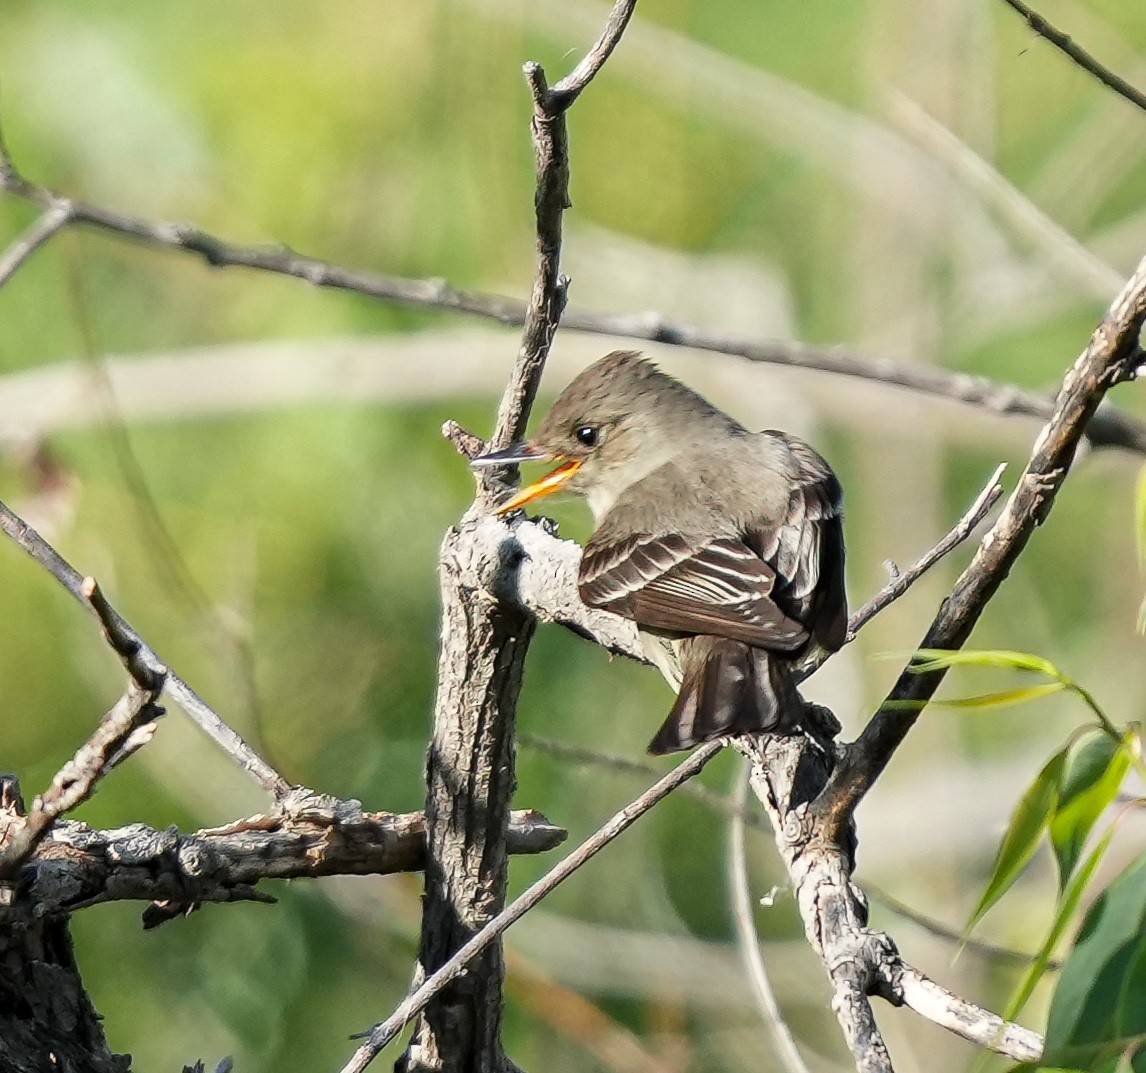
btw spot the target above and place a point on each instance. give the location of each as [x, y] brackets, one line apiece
[806, 548]
[721, 587]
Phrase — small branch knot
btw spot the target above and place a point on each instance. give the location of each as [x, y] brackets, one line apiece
[797, 829]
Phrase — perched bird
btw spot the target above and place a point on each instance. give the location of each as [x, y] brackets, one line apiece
[724, 546]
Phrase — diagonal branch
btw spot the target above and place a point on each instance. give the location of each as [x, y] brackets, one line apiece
[569, 88]
[76, 780]
[470, 773]
[901, 582]
[1078, 54]
[1110, 358]
[50, 222]
[417, 1000]
[124, 638]
[966, 1019]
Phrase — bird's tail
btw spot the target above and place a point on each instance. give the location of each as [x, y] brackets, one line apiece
[728, 687]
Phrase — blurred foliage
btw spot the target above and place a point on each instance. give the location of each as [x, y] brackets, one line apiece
[302, 601]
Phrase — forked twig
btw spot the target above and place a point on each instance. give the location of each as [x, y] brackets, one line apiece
[123, 638]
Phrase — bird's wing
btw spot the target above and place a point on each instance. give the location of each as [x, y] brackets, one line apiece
[806, 547]
[671, 582]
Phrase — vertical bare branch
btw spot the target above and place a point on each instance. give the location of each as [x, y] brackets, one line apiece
[470, 773]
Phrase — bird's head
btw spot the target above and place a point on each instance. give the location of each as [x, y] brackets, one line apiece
[616, 422]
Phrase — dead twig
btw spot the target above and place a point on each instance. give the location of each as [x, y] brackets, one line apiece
[180, 871]
[1064, 43]
[124, 638]
[50, 222]
[902, 581]
[75, 781]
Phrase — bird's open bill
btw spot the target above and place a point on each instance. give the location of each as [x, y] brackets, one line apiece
[525, 452]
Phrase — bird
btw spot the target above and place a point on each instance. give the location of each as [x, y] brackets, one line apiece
[724, 546]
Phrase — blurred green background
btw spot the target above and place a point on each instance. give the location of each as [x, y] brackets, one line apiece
[924, 181]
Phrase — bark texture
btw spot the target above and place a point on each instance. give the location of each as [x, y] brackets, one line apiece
[470, 783]
[47, 1022]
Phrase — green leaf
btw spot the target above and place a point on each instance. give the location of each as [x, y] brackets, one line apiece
[1030, 818]
[937, 659]
[1110, 1056]
[1093, 776]
[1004, 698]
[1101, 995]
[1068, 905]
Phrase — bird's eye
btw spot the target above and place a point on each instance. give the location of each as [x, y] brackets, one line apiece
[588, 435]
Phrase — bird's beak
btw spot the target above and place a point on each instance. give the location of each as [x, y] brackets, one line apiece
[526, 452]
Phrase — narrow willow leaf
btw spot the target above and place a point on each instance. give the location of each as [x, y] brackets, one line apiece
[905, 705]
[1004, 698]
[1067, 907]
[1028, 822]
[937, 659]
[1093, 776]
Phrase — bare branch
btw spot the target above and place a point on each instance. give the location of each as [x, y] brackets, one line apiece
[121, 633]
[383, 1033]
[538, 573]
[788, 773]
[53, 220]
[1079, 55]
[468, 445]
[622, 765]
[569, 88]
[1110, 358]
[119, 637]
[470, 772]
[901, 582]
[1109, 427]
[966, 1019]
[75, 781]
[137, 862]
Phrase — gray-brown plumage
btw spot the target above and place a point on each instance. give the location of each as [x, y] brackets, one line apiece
[724, 546]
